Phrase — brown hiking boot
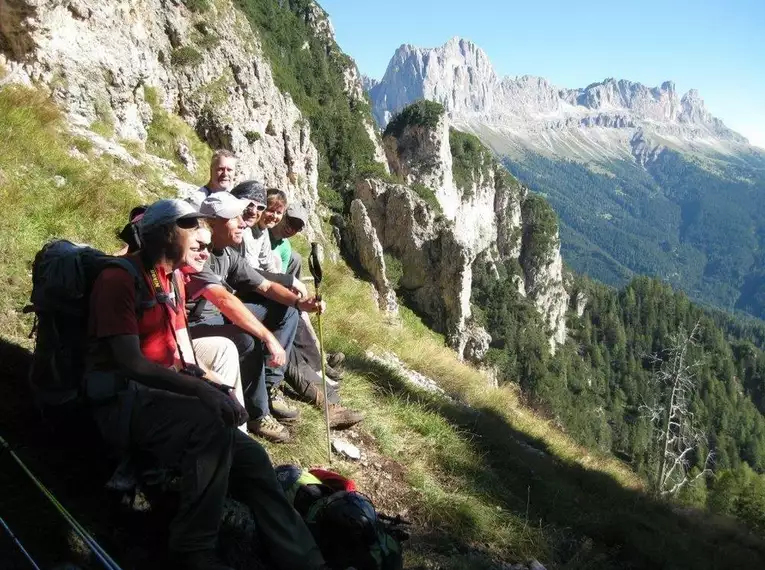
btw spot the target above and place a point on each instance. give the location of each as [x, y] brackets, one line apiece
[268, 428]
[342, 418]
[281, 409]
[334, 373]
[335, 358]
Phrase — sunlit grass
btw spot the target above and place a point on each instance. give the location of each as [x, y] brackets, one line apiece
[483, 477]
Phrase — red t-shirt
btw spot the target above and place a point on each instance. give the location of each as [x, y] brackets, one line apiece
[113, 312]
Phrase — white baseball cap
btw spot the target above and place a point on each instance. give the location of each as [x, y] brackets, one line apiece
[223, 205]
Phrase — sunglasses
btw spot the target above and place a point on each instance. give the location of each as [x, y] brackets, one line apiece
[255, 208]
[202, 246]
[187, 223]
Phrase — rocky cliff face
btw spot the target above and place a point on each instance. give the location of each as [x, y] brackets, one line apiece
[353, 81]
[528, 112]
[481, 214]
[99, 58]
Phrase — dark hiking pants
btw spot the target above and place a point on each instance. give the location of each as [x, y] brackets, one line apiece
[256, 377]
[303, 365]
[295, 265]
[178, 432]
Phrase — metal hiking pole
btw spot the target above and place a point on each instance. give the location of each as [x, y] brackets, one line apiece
[95, 548]
[314, 266]
[18, 543]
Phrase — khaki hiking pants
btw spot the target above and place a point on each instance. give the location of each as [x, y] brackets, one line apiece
[220, 355]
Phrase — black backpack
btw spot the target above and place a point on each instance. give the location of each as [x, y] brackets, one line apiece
[63, 274]
[345, 524]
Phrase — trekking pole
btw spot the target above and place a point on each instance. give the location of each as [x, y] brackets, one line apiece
[314, 266]
[18, 543]
[99, 552]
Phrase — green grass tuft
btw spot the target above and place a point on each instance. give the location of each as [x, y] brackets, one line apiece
[186, 56]
[164, 134]
[89, 207]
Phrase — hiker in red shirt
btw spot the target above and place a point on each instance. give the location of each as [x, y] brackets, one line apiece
[152, 399]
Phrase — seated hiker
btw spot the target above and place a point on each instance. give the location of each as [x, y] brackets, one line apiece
[176, 418]
[293, 222]
[213, 352]
[304, 359]
[222, 177]
[256, 246]
[268, 315]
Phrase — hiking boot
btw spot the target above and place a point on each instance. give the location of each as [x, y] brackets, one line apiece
[334, 373]
[342, 418]
[197, 560]
[281, 409]
[335, 358]
[268, 428]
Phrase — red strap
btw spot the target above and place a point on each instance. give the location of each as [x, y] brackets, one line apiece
[334, 480]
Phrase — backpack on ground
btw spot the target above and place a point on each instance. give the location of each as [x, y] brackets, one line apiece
[63, 274]
[345, 524]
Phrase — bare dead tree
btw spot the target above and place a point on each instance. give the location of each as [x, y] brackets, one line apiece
[673, 421]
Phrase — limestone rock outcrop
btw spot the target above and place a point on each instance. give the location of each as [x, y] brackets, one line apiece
[438, 236]
[100, 60]
[436, 267]
[368, 251]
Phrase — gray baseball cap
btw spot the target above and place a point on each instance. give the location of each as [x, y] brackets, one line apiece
[223, 205]
[166, 212]
[295, 213]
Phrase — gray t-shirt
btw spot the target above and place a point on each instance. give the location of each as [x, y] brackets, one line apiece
[227, 268]
[256, 249]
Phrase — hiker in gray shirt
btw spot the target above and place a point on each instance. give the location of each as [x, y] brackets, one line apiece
[269, 315]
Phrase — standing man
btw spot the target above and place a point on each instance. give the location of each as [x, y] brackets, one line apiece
[174, 417]
[222, 177]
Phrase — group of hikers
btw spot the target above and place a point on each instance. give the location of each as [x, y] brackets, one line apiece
[188, 352]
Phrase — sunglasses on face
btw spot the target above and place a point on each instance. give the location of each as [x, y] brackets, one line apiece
[187, 223]
[255, 208]
[202, 246]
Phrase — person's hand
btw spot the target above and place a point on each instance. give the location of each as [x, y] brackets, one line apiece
[278, 357]
[299, 288]
[213, 376]
[312, 305]
[221, 405]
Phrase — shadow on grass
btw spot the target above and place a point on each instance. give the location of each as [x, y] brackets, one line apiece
[591, 520]
[69, 458]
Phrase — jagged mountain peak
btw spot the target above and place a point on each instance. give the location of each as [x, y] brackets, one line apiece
[460, 76]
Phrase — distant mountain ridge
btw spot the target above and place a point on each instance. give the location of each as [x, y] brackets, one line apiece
[645, 180]
[530, 112]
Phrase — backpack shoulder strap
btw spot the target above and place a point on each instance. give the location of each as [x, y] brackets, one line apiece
[144, 297]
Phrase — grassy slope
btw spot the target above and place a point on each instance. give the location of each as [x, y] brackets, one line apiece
[468, 477]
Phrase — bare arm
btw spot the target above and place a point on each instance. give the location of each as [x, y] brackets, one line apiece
[282, 295]
[235, 311]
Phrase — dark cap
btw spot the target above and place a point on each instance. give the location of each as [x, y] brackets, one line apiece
[296, 215]
[250, 190]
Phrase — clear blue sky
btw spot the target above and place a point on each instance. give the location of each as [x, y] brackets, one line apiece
[717, 47]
